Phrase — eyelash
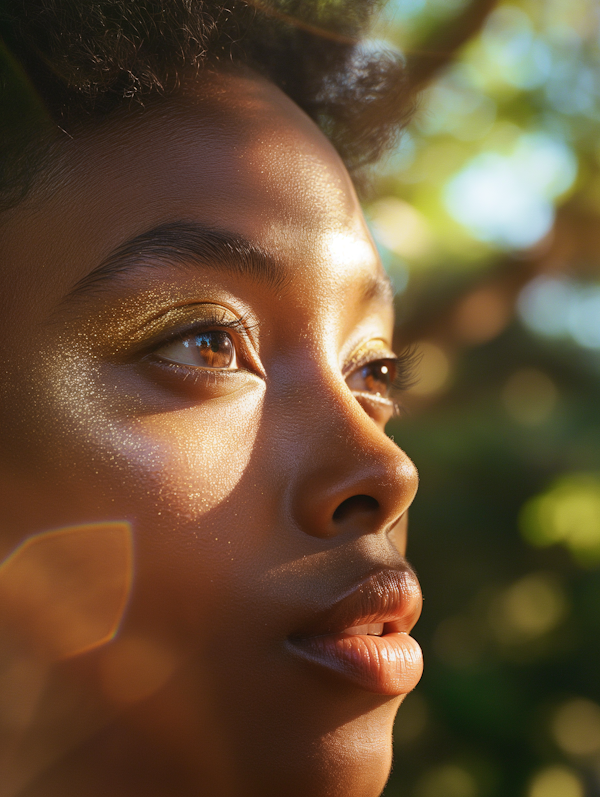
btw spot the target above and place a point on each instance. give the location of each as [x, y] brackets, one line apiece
[241, 326]
[406, 369]
[405, 363]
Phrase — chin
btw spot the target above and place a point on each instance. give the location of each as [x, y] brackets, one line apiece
[353, 760]
[351, 768]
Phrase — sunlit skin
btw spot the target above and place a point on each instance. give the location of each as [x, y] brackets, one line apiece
[230, 470]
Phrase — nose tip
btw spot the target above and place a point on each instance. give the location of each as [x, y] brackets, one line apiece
[359, 486]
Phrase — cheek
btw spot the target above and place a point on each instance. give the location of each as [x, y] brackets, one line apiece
[188, 462]
[184, 479]
[85, 452]
[178, 479]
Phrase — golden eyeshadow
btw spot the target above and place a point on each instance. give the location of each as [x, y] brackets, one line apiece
[129, 323]
[376, 349]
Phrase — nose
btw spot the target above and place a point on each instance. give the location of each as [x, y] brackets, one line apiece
[353, 478]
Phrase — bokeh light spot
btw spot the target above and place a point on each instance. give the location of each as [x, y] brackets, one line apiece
[528, 609]
[134, 668]
[64, 592]
[569, 513]
[529, 396]
[562, 308]
[544, 304]
[556, 782]
[450, 780]
[482, 315]
[401, 228]
[520, 58]
[576, 727]
[506, 200]
[584, 317]
[432, 371]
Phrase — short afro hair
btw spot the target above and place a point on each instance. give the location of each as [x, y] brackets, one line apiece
[66, 62]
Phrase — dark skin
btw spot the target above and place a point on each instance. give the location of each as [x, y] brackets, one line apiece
[231, 470]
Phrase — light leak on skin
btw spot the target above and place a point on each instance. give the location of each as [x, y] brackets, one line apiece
[266, 502]
[62, 593]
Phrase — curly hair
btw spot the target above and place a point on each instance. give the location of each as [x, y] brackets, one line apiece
[63, 62]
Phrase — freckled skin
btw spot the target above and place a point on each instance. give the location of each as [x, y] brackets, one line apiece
[230, 483]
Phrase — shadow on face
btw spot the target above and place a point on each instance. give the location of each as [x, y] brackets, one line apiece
[197, 342]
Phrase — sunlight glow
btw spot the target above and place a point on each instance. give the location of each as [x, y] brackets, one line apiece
[576, 727]
[531, 607]
[562, 307]
[506, 200]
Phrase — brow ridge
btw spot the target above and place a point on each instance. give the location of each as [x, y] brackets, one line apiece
[185, 243]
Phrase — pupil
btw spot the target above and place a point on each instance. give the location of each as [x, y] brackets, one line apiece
[377, 378]
[215, 349]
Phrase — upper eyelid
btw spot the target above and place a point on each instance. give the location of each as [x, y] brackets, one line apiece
[374, 356]
[182, 318]
[235, 325]
[242, 326]
[219, 317]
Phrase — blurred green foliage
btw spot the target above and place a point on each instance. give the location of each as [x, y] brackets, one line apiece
[488, 219]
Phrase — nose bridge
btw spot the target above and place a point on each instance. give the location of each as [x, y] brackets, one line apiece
[349, 475]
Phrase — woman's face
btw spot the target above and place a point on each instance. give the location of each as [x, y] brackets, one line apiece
[196, 339]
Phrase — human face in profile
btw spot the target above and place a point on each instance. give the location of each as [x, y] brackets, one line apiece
[197, 340]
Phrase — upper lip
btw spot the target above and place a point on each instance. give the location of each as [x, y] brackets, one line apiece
[390, 596]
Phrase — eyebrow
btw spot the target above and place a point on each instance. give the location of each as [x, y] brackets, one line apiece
[378, 289]
[182, 243]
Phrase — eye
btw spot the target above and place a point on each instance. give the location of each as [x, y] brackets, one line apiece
[202, 349]
[375, 377]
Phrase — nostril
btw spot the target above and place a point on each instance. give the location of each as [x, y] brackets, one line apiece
[356, 504]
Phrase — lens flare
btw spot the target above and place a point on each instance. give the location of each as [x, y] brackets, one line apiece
[64, 592]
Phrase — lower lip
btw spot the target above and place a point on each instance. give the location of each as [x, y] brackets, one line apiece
[391, 664]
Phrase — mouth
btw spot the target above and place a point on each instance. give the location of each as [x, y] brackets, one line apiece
[371, 629]
[364, 637]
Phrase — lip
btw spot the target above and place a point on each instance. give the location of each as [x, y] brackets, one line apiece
[387, 664]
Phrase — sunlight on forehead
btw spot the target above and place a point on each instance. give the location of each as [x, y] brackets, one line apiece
[356, 255]
[350, 249]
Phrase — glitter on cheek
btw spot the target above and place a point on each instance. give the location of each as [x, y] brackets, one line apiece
[203, 456]
[178, 462]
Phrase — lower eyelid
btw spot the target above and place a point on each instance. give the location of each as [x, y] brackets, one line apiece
[189, 378]
[173, 365]
[373, 398]
[377, 403]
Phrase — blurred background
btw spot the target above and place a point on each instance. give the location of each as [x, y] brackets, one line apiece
[488, 219]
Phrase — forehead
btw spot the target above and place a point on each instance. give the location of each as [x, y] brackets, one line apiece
[229, 152]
